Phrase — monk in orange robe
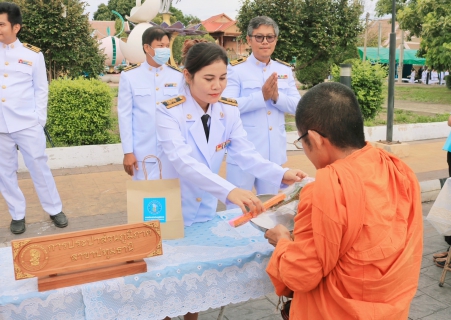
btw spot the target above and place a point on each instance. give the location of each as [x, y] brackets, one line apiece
[356, 249]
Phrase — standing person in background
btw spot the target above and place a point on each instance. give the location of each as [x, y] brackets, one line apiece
[265, 90]
[424, 75]
[23, 114]
[412, 76]
[434, 77]
[142, 87]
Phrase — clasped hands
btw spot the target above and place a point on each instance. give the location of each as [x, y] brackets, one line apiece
[270, 89]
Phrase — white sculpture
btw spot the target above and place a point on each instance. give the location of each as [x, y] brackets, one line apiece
[165, 5]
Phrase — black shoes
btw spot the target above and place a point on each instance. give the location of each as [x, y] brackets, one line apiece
[17, 226]
[59, 220]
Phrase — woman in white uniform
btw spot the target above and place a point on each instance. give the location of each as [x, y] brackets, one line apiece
[193, 132]
[195, 129]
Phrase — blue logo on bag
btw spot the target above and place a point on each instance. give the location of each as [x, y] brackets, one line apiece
[154, 209]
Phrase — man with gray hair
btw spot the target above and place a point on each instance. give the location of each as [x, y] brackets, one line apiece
[265, 90]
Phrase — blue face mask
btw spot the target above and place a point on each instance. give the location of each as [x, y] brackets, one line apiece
[162, 55]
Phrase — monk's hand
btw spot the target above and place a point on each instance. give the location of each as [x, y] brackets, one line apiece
[130, 163]
[268, 87]
[243, 198]
[293, 175]
[275, 234]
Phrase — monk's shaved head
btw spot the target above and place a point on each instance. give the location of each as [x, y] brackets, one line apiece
[332, 110]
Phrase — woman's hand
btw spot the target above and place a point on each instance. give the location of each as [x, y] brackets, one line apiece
[293, 175]
[243, 198]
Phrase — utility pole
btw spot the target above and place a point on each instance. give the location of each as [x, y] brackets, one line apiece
[391, 76]
[379, 40]
[366, 36]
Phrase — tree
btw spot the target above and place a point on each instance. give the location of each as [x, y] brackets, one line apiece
[429, 20]
[315, 31]
[103, 13]
[123, 7]
[66, 42]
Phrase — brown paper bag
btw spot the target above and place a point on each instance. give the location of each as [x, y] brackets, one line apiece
[156, 200]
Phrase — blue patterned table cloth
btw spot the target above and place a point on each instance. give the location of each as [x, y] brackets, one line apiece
[214, 265]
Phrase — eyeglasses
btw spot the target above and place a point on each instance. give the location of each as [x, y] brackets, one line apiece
[298, 144]
[259, 38]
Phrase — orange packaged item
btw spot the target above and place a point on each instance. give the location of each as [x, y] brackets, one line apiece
[240, 220]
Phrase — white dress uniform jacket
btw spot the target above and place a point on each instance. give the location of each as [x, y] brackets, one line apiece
[186, 154]
[264, 121]
[23, 114]
[141, 90]
[24, 87]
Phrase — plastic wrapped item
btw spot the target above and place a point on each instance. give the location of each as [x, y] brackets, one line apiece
[440, 214]
[283, 213]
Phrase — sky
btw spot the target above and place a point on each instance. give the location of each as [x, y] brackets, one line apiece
[204, 9]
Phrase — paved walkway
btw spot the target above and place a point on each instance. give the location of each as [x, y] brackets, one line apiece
[96, 197]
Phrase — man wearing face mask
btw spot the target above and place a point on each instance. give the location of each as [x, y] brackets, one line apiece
[142, 87]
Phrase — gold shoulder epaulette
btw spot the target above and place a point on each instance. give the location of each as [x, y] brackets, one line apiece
[230, 101]
[283, 62]
[32, 48]
[132, 66]
[173, 102]
[174, 67]
[238, 61]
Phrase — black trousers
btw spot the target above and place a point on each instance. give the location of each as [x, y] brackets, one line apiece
[448, 159]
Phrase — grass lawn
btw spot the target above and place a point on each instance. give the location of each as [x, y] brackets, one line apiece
[403, 117]
[421, 93]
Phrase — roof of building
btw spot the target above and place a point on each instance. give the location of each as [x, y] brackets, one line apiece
[218, 23]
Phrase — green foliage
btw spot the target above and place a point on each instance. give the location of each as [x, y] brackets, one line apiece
[429, 20]
[320, 32]
[448, 81]
[384, 7]
[123, 7]
[79, 112]
[178, 44]
[367, 84]
[66, 43]
[314, 73]
[103, 13]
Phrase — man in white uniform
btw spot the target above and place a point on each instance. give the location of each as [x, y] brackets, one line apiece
[141, 89]
[265, 90]
[23, 114]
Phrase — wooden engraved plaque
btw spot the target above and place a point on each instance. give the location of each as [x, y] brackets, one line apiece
[87, 256]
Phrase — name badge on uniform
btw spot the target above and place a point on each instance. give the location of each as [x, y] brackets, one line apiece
[223, 145]
[28, 63]
[170, 85]
[282, 76]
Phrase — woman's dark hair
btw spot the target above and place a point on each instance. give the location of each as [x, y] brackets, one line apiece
[12, 10]
[154, 33]
[203, 54]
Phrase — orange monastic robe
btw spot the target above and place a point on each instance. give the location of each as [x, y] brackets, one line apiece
[358, 241]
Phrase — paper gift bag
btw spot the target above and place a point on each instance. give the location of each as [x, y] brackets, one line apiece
[156, 200]
[440, 214]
